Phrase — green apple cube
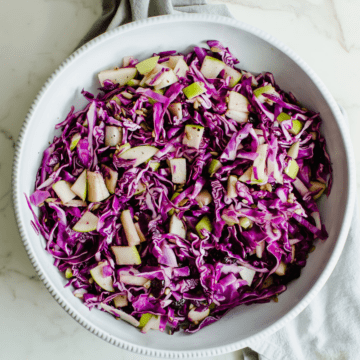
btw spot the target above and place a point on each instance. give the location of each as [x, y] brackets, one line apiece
[245, 222]
[238, 102]
[111, 178]
[247, 274]
[178, 170]
[193, 135]
[68, 273]
[113, 135]
[231, 186]
[145, 319]
[264, 90]
[147, 65]
[177, 227]
[120, 301]
[318, 188]
[181, 68]
[283, 116]
[80, 186]
[129, 228]
[211, 67]
[296, 127]
[196, 316]
[204, 198]
[214, 166]
[97, 190]
[154, 165]
[176, 110]
[292, 169]
[126, 255]
[139, 153]
[195, 89]
[204, 223]
[281, 269]
[233, 74]
[293, 152]
[117, 76]
[88, 222]
[105, 283]
[133, 82]
[139, 232]
[74, 140]
[63, 190]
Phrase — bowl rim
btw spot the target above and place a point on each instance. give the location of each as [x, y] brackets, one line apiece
[351, 190]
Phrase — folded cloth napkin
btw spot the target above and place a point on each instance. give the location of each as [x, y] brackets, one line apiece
[329, 328]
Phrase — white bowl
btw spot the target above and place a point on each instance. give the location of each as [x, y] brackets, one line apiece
[257, 52]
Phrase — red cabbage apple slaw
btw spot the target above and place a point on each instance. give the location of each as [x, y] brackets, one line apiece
[184, 188]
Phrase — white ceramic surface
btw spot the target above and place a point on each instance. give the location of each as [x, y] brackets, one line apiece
[257, 51]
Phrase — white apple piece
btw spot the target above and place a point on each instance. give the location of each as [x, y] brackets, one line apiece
[152, 323]
[129, 279]
[105, 283]
[239, 117]
[74, 140]
[231, 186]
[76, 203]
[177, 227]
[178, 170]
[293, 152]
[120, 301]
[292, 169]
[247, 274]
[245, 222]
[176, 110]
[111, 178]
[88, 222]
[196, 316]
[260, 249]
[267, 89]
[173, 60]
[234, 74]
[281, 269]
[204, 198]
[250, 75]
[117, 76]
[140, 189]
[139, 232]
[139, 153]
[166, 79]
[260, 163]
[80, 186]
[129, 228]
[97, 190]
[121, 314]
[126, 255]
[148, 77]
[230, 220]
[181, 68]
[63, 190]
[193, 135]
[113, 135]
[238, 102]
[126, 60]
[211, 67]
[246, 176]
[316, 217]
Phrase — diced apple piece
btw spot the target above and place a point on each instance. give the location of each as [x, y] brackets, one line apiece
[245, 222]
[318, 188]
[133, 82]
[258, 173]
[147, 65]
[239, 117]
[178, 170]
[97, 190]
[195, 89]
[105, 283]
[176, 110]
[166, 79]
[283, 116]
[118, 76]
[88, 222]
[145, 319]
[139, 153]
[230, 220]
[231, 186]
[296, 127]
[246, 176]
[68, 273]
[76, 203]
[293, 152]
[113, 135]
[204, 223]
[63, 190]
[133, 280]
[111, 178]
[181, 68]
[139, 232]
[140, 189]
[197, 316]
[204, 198]
[238, 102]
[74, 140]
[173, 60]
[193, 135]
[292, 169]
[121, 314]
[281, 269]
[121, 149]
[234, 74]
[267, 89]
[154, 165]
[120, 301]
[260, 249]
[177, 226]
[214, 166]
[211, 67]
[129, 228]
[152, 323]
[80, 186]
[126, 255]
[247, 274]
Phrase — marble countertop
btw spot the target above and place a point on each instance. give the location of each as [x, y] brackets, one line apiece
[36, 36]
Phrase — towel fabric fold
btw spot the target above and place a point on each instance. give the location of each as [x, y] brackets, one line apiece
[328, 329]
